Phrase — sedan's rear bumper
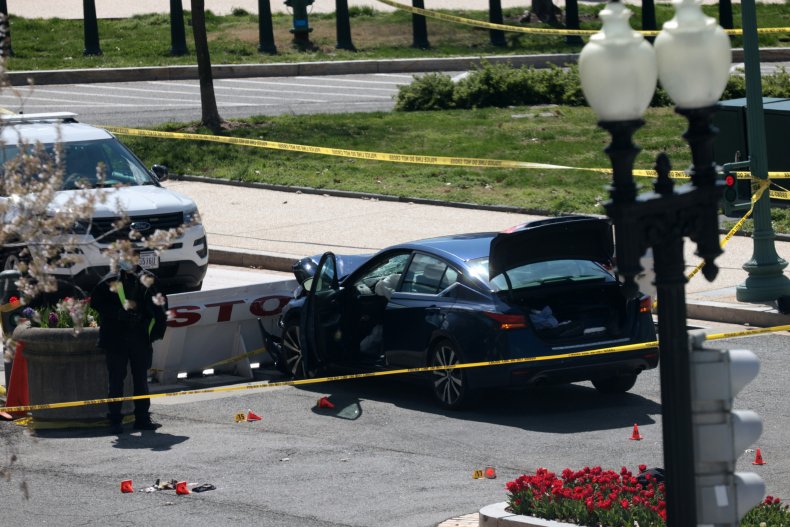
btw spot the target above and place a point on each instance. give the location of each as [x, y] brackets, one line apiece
[564, 371]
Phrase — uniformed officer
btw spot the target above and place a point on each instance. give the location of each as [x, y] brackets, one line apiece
[132, 315]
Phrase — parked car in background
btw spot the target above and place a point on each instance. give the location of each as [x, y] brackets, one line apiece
[542, 291]
[132, 190]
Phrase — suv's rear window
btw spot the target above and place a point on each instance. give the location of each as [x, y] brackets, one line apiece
[82, 158]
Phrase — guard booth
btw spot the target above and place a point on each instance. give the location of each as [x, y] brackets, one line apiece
[732, 141]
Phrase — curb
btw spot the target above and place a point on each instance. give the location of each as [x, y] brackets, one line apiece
[495, 515]
[250, 259]
[762, 315]
[292, 69]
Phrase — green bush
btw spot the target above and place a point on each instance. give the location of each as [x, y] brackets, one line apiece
[433, 91]
[502, 85]
[496, 86]
[771, 512]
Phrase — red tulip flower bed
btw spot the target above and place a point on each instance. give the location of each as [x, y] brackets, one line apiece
[590, 497]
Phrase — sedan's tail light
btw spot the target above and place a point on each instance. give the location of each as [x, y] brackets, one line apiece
[646, 304]
[507, 321]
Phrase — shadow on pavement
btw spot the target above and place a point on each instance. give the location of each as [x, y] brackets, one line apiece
[154, 441]
[560, 409]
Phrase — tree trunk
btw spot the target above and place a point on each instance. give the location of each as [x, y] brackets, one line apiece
[210, 117]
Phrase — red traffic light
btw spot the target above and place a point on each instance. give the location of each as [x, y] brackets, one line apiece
[729, 180]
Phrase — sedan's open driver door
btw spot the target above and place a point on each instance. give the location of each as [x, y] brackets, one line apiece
[321, 320]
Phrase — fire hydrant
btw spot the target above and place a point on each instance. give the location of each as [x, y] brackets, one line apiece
[301, 28]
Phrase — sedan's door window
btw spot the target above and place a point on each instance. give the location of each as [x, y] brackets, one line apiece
[382, 278]
[428, 275]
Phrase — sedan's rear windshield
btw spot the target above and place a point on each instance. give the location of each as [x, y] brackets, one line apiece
[542, 273]
[119, 165]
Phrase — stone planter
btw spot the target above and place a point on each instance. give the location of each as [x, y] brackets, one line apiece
[64, 366]
[496, 516]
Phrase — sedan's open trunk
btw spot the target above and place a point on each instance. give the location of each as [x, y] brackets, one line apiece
[573, 311]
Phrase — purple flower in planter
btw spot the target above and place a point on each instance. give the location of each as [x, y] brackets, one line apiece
[53, 319]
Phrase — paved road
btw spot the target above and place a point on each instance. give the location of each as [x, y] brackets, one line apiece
[153, 102]
[301, 466]
[148, 103]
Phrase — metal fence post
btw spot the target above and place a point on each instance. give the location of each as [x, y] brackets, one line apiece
[343, 21]
[178, 40]
[495, 17]
[265, 28]
[419, 27]
[91, 27]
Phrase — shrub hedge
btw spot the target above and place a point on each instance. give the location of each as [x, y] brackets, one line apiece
[502, 85]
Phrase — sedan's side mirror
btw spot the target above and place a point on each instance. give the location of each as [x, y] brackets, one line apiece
[160, 171]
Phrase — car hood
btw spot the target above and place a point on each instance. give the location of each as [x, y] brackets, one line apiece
[565, 238]
[141, 200]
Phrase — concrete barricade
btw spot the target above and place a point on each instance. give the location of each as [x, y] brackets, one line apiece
[218, 329]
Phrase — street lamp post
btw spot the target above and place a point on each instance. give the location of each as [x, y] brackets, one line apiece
[766, 280]
[618, 70]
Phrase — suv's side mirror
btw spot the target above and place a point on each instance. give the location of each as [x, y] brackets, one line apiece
[160, 171]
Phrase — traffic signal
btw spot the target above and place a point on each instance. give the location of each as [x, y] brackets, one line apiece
[730, 192]
[721, 434]
[737, 198]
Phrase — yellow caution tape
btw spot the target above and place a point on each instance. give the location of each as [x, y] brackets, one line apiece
[395, 158]
[487, 25]
[541, 31]
[299, 382]
[755, 197]
[747, 332]
[341, 152]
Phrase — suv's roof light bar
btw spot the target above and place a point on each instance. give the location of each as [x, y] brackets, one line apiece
[66, 117]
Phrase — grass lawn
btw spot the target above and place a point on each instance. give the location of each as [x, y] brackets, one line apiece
[145, 40]
[551, 134]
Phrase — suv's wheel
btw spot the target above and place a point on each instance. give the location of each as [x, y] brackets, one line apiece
[450, 387]
[293, 353]
[617, 384]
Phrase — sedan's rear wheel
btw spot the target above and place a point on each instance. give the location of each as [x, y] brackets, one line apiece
[450, 386]
[617, 384]
[293, 353]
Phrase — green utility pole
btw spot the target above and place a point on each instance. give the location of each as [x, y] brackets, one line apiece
[766, 281]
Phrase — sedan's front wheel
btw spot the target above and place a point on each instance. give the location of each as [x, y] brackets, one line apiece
[293, 353]
[450, 386]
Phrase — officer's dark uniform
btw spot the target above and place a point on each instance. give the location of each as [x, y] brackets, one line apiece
[126, 334]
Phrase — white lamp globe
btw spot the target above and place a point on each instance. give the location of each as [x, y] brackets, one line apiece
[694, 57]
[618, 68]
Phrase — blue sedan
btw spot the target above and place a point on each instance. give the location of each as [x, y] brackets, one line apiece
[541, 289]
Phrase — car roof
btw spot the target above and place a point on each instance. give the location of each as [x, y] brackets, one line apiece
[47, 128]
[463, 247]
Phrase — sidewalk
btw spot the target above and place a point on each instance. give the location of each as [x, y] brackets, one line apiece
[249, 226]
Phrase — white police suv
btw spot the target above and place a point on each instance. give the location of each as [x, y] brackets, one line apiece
[134, 191]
